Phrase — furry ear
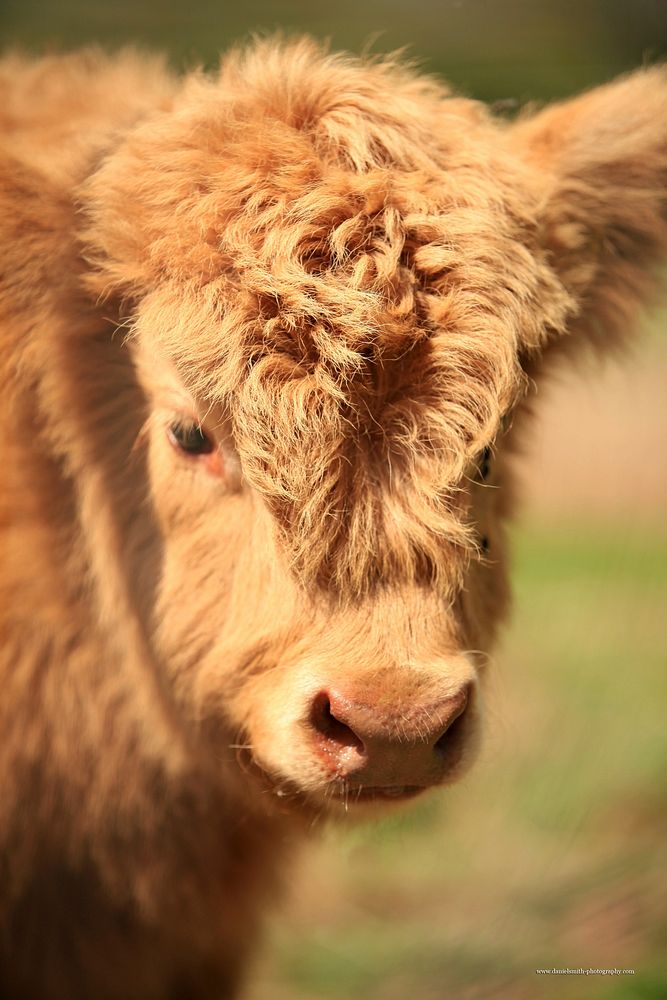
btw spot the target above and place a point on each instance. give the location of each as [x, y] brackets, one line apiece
[599, 163]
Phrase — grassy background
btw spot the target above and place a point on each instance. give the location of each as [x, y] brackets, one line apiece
[553, 852]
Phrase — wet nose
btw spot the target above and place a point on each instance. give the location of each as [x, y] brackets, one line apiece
[389, 746]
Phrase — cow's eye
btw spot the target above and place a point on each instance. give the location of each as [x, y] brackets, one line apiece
[484, 466]
[188, 437]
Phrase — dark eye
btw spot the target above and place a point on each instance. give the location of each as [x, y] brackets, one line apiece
[484, 466]
[189, 438]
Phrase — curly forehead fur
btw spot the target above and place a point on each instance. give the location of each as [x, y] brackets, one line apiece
[356, 290]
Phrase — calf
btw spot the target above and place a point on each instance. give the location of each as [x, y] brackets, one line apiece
[266, 339]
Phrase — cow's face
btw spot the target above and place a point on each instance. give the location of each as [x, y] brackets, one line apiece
[324, 439]
[356, 687]
[339, 279]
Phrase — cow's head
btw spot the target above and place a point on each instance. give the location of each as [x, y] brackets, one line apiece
[341, 281]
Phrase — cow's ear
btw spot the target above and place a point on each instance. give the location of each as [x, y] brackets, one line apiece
[599, 166]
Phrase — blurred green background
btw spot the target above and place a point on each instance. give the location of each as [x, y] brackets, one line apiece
[554, 851]
[492, 49]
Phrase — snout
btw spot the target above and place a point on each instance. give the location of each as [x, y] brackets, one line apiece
[331, 736]
[372, 748]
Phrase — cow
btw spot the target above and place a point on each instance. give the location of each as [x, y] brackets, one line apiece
[269, 336]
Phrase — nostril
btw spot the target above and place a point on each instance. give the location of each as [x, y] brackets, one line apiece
[324, 721]
[451, 733]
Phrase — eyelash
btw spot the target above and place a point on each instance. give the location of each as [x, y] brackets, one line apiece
[189, 438]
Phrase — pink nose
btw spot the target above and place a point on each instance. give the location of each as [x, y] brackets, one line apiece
[400, 747]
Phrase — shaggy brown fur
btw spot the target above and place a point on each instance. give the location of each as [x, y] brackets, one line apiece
[347, 278]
